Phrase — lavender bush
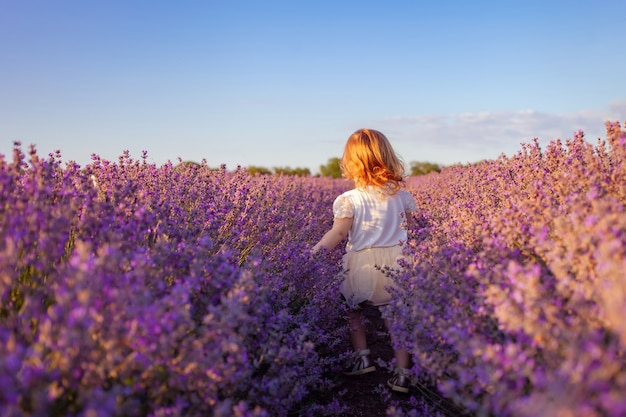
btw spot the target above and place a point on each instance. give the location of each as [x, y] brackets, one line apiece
[513, 296]
[132, 289]
[129, 289]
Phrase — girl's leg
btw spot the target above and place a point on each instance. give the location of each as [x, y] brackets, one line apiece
[399, 382]
[402, 356]
[357, 330]
[363, 364]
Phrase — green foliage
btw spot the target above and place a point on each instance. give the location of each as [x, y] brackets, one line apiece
[423, 168]
[258, 170]
[298, 172]
[332, 168]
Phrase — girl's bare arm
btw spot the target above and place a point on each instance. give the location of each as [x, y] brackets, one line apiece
[335, 235]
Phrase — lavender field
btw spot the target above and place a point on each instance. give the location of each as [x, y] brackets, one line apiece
[133, 289]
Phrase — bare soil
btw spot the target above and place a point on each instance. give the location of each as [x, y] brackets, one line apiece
[368, 395]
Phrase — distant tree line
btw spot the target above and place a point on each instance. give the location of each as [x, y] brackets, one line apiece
[423, 168]
[331, 169]
[298, 172]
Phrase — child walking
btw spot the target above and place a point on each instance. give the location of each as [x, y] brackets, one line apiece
[375, 216]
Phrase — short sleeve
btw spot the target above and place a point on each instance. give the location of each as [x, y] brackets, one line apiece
[409, 202]
[342, 208]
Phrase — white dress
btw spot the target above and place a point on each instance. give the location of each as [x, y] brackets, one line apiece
[375, 241]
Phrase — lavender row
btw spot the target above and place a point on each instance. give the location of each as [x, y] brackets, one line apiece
[128, 288]
[514, 293]
[131, 289]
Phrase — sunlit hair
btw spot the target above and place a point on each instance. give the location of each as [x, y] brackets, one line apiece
[369, 159]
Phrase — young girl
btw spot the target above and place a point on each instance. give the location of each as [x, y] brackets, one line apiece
[375, 216]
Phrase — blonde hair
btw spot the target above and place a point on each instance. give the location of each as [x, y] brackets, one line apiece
[369, 159]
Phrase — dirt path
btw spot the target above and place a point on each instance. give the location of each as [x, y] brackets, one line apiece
[368, 395]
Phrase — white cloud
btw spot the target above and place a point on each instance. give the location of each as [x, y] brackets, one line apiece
[468, 137]
[617, 109]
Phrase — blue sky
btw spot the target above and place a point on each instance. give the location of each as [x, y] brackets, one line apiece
[284, 83]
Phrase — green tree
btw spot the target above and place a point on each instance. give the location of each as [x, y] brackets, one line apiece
[422, 168]
[331, 169]
[258, 170]
[299, 172]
